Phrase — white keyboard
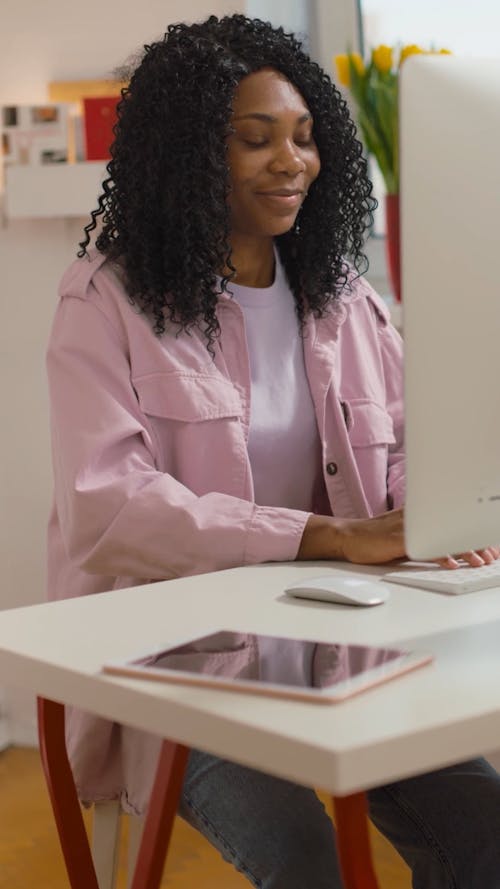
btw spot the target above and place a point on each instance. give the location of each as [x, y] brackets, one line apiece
[454, 581]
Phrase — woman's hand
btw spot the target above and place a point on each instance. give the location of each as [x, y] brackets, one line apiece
[373, 542]
[363, 541]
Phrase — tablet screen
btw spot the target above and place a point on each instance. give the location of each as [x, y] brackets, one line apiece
[265, 663]
[274, 659]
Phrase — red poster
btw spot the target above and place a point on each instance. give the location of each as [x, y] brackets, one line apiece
[99, 119]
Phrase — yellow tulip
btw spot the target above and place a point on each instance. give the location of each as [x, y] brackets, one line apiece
[342, 65]
[439, 52]
[358, 63]
[411, 50]
[343, 70]
[382, 58]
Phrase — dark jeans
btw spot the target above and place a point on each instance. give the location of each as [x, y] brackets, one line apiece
[446, 825]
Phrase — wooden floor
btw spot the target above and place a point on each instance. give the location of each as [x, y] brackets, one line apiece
[30, 857]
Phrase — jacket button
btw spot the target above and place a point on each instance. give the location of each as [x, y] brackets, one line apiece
[332, 468]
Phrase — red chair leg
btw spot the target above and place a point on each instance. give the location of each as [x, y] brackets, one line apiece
[66, 807]
[160, 816]
[353, 842]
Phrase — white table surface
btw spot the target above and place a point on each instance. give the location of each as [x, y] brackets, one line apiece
[437, 715]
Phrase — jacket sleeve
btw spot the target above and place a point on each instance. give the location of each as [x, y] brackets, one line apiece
[118, 514]
[392, 357]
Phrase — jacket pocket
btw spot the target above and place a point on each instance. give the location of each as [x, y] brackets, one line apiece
[368, 423]
[188, 398]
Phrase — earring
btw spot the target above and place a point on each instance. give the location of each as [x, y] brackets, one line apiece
[296, 225]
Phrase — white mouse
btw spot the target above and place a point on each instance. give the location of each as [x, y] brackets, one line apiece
[351, 589]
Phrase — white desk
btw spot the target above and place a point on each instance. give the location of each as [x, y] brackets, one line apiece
[437, 715]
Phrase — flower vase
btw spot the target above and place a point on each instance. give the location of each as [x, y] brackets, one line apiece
[393, 243]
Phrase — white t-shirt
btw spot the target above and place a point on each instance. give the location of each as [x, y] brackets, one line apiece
[283, 445]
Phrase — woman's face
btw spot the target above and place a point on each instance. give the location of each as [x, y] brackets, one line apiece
[272, 155]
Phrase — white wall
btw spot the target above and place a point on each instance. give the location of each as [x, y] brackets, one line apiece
[466, 28]
[327, 27]
[56, 40]
[291, 14]
[40, 42]
[334, 28]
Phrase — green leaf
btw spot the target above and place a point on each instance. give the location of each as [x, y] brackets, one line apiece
[376, 97]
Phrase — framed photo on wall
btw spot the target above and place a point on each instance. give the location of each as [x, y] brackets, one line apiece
[34, 134]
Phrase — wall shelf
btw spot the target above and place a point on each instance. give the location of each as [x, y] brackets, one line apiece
[52, 191]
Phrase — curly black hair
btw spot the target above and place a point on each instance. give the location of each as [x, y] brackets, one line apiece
[164, 207]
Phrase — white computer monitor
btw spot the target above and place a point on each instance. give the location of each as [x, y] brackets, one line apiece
[450, 227]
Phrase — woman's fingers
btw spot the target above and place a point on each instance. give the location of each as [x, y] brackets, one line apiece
[490, 554]
[474, 558]
[447, 562]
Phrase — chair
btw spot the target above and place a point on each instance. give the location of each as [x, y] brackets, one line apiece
[107, 822]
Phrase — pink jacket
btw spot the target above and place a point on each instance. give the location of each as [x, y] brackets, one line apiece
[150, 461]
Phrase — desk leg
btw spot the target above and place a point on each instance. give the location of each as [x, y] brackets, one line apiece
[353, 842]
[68, 814]
[66, 807]
[160, 816]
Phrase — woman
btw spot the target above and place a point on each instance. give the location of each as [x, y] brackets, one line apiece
[226, 390]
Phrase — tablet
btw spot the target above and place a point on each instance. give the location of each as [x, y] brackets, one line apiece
[277, 666]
